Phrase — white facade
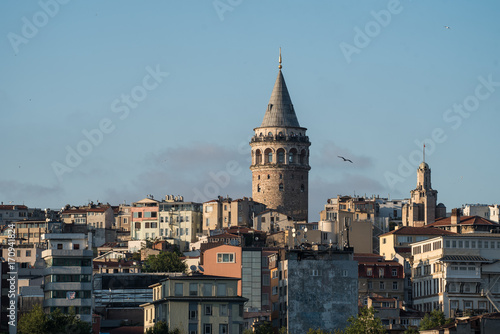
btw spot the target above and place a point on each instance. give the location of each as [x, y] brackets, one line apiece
[481, 210]
[457, 273]
[68, 274]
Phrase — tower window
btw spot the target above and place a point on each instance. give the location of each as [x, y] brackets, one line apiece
[268, 176]
[258, 157]
[281, 176]
[258, 188]
[281, 156]
[258, 177]
[302, 188]
[268, 153]
[281, 187]
[292, 156]
[270, 134]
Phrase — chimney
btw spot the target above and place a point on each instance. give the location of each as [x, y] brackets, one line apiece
[455, 220]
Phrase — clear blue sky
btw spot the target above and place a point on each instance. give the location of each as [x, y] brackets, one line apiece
[367, 96]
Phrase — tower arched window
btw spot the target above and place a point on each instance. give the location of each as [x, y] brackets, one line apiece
[281, 187]
[302, 158]
[258, 157]
[270, 134]
[281, 156]
[268, 153]
[292, 156]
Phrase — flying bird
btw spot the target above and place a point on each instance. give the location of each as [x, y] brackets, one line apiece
[446, 27]
[344, 159]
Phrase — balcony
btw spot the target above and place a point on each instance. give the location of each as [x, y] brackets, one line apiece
[67, 253]
[67, 270]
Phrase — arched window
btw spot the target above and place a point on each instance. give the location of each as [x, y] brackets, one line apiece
[281, 156]
[292, 156]
[268, 153]
[270, 134]
[258, 157]
[302, 158]
[281, 187]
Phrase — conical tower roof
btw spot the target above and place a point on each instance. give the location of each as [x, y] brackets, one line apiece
[280, 110]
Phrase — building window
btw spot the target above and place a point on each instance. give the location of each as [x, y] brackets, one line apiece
[59, 246]
[281, 187]
[221, 290]
[223, 310]
[302, 188]
[207, 289]
[225, 257]
[381, 272]
[258, 188]
[382, 286]
[208, 309]
[265, 280]
[28, 253]
[281, 156]
[207, 329]
[193, 289]
[223, 329]
[370, 285]
[369, 271]
[178, 289]
[394, 272]
[275, 290]
[394, 285]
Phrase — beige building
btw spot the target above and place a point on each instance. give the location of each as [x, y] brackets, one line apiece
[398, 240]
[225, 212]
[93, 215]
[422, 209]
[196, 304]
[123, 217]
[180, 221]
[272, 221]
[280, 157]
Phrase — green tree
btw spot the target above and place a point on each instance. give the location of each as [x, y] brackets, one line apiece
[264, 328]
[166, 262]
[411, 330]
[434, 319]
[317, 331]
[38, 322]
[365, 323]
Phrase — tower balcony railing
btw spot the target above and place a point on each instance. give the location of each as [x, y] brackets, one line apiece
[298, 139]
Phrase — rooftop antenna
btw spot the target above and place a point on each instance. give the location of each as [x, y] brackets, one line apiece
[279, 59]
[424, 152]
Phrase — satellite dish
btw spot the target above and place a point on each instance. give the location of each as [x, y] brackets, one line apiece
[200, 268]
[193, 268]
[305, 230]
[293, 230]
[293, 235]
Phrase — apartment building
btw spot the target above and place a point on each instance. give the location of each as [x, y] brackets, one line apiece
[203, 304]
[457, 273]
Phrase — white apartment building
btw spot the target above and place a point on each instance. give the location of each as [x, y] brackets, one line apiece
[457, 273]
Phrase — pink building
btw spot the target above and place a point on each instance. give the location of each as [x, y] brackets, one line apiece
[225, 261]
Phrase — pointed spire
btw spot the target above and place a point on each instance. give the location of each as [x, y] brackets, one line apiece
[280, 110]
[279, 59]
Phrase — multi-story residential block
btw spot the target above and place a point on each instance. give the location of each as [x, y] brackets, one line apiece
[317, 289]
[31, 231]
[25, 255]
[422, 208]
[11, 213]
[197, 304]
[93, 215]
[495, 213]
[457, 273]
[237, 262]
[273, 221]
[68, 274]
[379, 278]
[465, 224]
[145, 219]
[179, 221]
[225, 212]
[280, 157]
[398, 240]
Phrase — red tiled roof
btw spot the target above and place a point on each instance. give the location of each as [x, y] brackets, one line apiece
[101, 209]
[409, 230]
[13, 207]
[224, 235]
[464, 220]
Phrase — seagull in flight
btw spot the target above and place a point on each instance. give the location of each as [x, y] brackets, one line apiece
[344, 159]
[446, 27]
